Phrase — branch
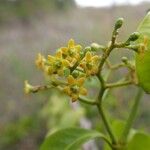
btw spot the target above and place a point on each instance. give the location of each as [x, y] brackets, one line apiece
[108, 50]
[106, 123]
[87, 101]
[101, 112]
[41, 88]
[113, 85]
[117, 66]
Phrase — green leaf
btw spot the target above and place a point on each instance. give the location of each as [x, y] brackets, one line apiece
[140, 141]
[69, 139]
[143, 70]
[117, 128]
[143, 59]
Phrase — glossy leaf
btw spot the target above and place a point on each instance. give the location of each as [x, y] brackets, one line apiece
[117, 128]
[69, 139]
[140, 141]
[143, 59]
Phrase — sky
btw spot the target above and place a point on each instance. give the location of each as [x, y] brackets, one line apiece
[103, 3]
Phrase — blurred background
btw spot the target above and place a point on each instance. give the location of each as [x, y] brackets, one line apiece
[31, 26]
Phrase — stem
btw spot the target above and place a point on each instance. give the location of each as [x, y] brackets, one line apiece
[113, 85]
[106, 123]
[129, 47]
[108, 64]
[102, 82]
[86, 101]
[132, 115]
[117, 66]
[108, 50]
[41, 88]
[107, 141]
[101, 112]
[120, 45]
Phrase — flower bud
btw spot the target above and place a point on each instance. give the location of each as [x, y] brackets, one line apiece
[27, 87]
[66, 72]
[88, 48]
[75, 89]
[119, 23]
[75, 73]
[124, 59]
[89, 66]
[58, 64]
[95, 47]
[134, 36]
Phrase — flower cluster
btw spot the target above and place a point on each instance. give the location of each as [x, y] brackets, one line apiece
[72, 64]
[75, 87]
[89, 64]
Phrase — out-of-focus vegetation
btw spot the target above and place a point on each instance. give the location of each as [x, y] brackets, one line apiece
[28, 27]
[26, 9]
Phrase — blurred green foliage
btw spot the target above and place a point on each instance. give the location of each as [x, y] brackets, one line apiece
[11, 134]
[60, 113]
[25, 9]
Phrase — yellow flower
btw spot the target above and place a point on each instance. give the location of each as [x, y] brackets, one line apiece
[90, 64]
[71, 52]
[75, 87]
[27, 87]
[56, 64]
[40, 61]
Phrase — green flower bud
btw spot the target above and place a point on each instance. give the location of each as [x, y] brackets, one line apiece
[75, 89]
[58, 64]
[89, 65]
[75, 73]
[95, 47]
[124, 59]
[82, 54]
[119, 23]
[88, 48]
[134, 36]
[66, 72]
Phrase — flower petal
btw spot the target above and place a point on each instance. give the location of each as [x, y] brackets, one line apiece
[40, 61]
[71, 43]
[67, 90]
[83, 65]
[94, 70]
[74, 97]
[78, 48]
[73, 61]
[80, 81]
[95, 58]
[59, 54]
[64, 49]
[60, 72]
[77, 56]
[71, 79]
[27, 87]
[65, 63]
[88, 56]
[51, 58]
[83, 91]
[48, 70]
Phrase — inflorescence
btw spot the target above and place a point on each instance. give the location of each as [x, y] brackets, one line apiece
[72, 64]
[69, 68]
